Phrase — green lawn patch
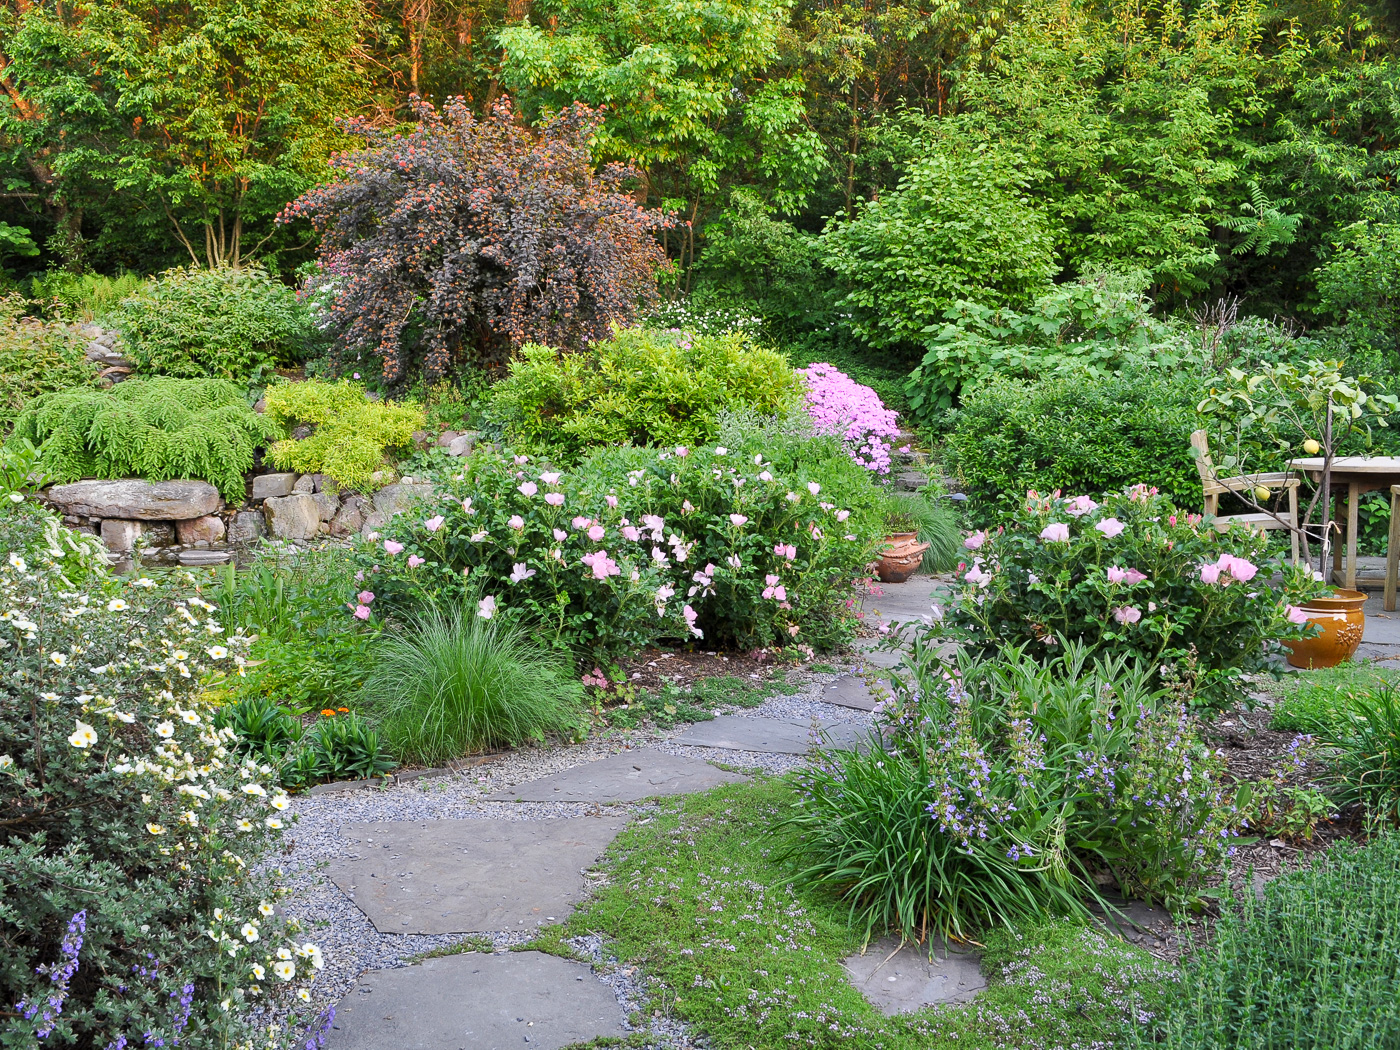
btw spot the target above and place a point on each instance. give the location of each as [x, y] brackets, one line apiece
[697, 900]
[1315, 701]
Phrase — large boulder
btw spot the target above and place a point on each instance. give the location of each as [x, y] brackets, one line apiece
[294, 517]
[135, 500]
[394, 499]
[265, 486]
[120, 536]
[246, 526]
[208, 529]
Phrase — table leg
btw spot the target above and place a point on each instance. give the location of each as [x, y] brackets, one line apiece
[1353, 506]
[1333, 534]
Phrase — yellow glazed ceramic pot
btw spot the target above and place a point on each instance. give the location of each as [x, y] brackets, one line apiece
[1342, 622]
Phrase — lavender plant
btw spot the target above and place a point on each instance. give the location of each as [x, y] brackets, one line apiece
[133, 910]
[1003, 791]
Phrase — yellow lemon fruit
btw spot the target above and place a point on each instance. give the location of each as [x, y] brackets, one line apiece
[1261, 494]
[1311, 447]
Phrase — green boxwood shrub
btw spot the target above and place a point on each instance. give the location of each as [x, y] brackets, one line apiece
[156, 429]
[642, 387]
[229, 323]
[130, 851]
[632, 546]
[1075, 434]
[351, 434]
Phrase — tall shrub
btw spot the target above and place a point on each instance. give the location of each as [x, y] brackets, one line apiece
[475, 236]
[639, 387]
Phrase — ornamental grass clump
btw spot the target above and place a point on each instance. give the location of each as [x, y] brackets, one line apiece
[134, 907]
[453, 684]
[842, 407]
[1004, 791]
[1130, 575]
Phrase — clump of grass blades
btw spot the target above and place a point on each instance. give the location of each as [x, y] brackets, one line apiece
[451, 685]
[1362, 752]
[936, 523]
[1315, 963]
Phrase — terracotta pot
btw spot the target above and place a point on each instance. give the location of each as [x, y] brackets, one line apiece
[901, 557]
[1342, 621]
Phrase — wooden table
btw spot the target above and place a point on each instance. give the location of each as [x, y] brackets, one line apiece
[1360, 474]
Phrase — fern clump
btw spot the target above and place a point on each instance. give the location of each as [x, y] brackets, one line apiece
[156, 429]
[351, 434]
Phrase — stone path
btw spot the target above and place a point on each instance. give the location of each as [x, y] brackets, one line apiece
[512, 853]
[903, 977]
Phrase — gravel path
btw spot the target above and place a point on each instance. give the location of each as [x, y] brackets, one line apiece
[350, 943]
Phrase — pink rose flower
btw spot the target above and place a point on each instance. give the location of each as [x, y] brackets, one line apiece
[414, 561]
[529, 489]
[631, 533]
[1127, 614]
[433, 524]
[516, 522]
[362, 612]
[682, 451]
[1210, 573]
[555, 499]
[560, 535]
[813, 487]
[842, 515]
[365, 597]
[596, 533]
[1297, 615]
[1110, 527]
[552, 478]
[1080, 506]
[393, 546]
[738, 520]
[1055, 532]
[975, 541]
[486, 608]
[611, 501]
[765, 476]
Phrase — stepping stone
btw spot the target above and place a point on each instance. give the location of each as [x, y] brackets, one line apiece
[626, 777]
[1136, 921]
[883, 658]
[899, 980]
[527, 1000]
[470, 876]
[774, 736]
[849, 691]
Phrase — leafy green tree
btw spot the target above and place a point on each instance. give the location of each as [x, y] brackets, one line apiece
[207, 114]
[958, 226]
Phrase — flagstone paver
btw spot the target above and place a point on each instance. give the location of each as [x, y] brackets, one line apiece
[512, 1000]
[850, 691]
[469, 876]
[629, 776]
[899, 978]
[774, 735]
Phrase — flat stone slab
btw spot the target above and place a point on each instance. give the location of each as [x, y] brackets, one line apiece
[901, 979]
[136, 500]
[851, 691]
[511, 1001]
[775, 736]
[470, 876]
[626, 777]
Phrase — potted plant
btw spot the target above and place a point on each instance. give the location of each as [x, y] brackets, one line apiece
[1336, 616]
[1287, 409]
[902, 553]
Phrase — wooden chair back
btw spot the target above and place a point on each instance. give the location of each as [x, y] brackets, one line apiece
[1203, 461]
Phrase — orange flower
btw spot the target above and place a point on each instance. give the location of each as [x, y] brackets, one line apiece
[344, 710]
[328, 712]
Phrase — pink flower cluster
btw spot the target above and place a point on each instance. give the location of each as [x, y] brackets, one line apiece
[841, 406]
[1228, 569]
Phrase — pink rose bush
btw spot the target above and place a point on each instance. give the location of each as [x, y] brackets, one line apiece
[842, 407]
[602, 555]
[1130, 575]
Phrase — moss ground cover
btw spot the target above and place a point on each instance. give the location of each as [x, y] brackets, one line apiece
[698, 899]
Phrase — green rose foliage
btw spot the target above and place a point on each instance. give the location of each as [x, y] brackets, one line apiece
[634, 546]
[132, 834]
[640, 387]
[1132, 575]
[35, 358]
[228, 323]
[1075, 434]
